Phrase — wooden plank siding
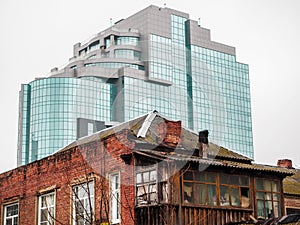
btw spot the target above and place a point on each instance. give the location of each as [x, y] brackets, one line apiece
[165, 214]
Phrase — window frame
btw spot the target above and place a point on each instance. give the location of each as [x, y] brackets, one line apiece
[192, 183]
[10, 217]
[52, 206]
[239, 186]
[149, 192]
[266, 194]
[115, 216]
[76, 199]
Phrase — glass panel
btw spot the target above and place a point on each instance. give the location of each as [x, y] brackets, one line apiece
[235, 197]
[153, 175]
[44, 215]
[275, 186]
[267, 185]
[224, 179]
[146, 177]
[188, 192]
[141, 194]
[268, 196]
[9, 221]
[244, 181]
[277, 210]
[12, 210]
[269, 209]
[199, 176]
[201, 193]
[139, 178]
[211, 177]
[259, 184]
[260, 195]
[234, 180]
[188, 176]
[276, 197]
[224, 195]
[260, 209]
[153, 193]
[212, 194]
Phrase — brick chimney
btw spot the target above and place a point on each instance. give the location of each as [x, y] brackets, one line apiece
[203, 140]
[286, 163]
[169, 132]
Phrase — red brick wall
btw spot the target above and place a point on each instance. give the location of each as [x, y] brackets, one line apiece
[293, 202]
[64, 169]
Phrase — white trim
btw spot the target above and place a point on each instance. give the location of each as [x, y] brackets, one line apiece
[12, 217]
[40, 206]
[114, 200]
[92, 201]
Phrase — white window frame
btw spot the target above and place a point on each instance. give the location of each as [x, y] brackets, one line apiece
[50, 218]
[13, 217]
[90, 198]
[115, 192]
[90, 128]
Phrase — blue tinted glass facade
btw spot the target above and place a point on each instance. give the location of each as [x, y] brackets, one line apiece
[55, 104]
[166, 63]
[221, 98]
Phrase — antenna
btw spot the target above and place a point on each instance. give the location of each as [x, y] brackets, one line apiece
[165, 4]
[110, 21]
[199, 24]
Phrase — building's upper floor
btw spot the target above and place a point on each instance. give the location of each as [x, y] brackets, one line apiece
[120, 174]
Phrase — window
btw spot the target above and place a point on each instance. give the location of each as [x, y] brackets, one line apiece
[90, 128]
[199, 188]
[268, 198]
[11, 214]
[83, 207]
[146, 187]
[234, 191]
[47, 209]
[115, 197]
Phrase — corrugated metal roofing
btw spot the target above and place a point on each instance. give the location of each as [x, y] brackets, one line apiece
[214, 162]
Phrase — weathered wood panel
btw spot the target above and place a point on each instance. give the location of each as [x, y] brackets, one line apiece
[167, 215]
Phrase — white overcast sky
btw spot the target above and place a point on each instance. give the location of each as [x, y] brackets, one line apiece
[38, 35]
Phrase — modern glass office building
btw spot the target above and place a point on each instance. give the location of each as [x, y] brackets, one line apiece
[157, 59]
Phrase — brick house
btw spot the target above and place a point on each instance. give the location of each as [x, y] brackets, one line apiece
[149, 170]
[291, 187]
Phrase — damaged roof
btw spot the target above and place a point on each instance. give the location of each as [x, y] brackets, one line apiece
[291, 184]
[144, 131]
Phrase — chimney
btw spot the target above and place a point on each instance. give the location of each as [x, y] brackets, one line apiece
[203, 140]
[286, 163]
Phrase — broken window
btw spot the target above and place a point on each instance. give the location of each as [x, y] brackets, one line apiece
[199, 188]
[234, 191]
[146, 183]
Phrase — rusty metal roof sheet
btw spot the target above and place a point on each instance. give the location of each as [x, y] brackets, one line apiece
[214, 161]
